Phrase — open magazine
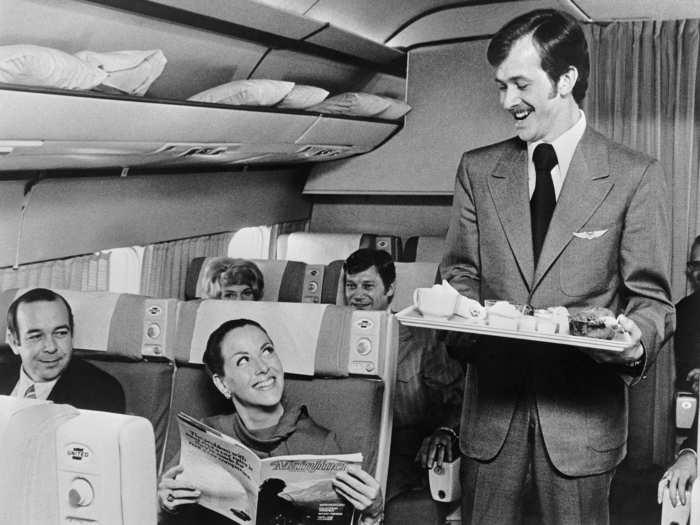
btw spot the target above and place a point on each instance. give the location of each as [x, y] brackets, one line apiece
[281, 490]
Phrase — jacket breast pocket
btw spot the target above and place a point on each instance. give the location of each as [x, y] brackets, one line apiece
[589, 263]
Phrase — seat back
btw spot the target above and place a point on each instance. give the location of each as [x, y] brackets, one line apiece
[339, 363]
[125, 335]
[285, 281]
[322, 248]
[423, 248]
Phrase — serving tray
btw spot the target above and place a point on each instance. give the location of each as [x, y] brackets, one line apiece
[412, 317]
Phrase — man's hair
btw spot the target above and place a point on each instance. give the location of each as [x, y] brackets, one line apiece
[34, 296]
[558, 38]
[225, 271]
[364, 258]
[213, 359]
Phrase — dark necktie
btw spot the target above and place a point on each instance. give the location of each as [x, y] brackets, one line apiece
[543, 201]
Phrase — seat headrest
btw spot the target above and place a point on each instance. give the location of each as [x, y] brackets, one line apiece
[311, 339]
[409, 276]
[322, 248]
[423, 248]
[121, 324]
[285, 281]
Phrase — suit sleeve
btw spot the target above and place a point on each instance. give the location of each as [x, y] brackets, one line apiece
[461, 265]
[645, 262]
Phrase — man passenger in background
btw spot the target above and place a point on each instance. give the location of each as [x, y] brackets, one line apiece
[40, 332]
[557, 216]
[686, 343]
[429, 383]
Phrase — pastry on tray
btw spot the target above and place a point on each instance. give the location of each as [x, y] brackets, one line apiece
[595, 322]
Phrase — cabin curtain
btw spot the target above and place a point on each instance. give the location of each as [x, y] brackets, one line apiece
[165, 264]
[284, 228]
[88, 273]
[644, 92]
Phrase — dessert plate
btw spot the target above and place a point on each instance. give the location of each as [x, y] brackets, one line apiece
[412, 317]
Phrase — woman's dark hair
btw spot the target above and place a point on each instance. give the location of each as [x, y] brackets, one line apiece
[212, 358]
[558, 38]
[364, 258]
[225, 271]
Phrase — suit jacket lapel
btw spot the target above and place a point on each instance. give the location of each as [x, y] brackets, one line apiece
[586, 185]
[509, 190]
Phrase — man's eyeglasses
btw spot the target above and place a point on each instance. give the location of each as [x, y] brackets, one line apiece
[694, 265]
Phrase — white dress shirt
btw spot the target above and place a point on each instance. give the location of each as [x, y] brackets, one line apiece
[42, 389]
[564, 146]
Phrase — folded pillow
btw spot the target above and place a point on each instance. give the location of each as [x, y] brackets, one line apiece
[355, 104]
[302, 96]
[395, 110]
[43, 66]
[254, 92]
[128, 71]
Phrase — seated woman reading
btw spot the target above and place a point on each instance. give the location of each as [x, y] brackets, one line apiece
[232, 279]
[241, 360]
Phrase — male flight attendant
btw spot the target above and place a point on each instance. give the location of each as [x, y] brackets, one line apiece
[559, 215]
[40, 332]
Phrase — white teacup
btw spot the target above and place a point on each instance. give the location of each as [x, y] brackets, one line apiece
[435, 302]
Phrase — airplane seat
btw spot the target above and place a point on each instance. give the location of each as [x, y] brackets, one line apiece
[339, 363]
[423, 248]
[322, 248]
[409, 276]
[125, 335]
[285, 281]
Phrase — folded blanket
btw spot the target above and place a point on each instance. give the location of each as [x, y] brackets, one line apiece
[31, 65]
[131, 72]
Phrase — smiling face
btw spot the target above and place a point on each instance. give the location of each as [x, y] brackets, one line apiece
[253, 374]
[365, 290]
[44, 340]
[541, 108]
[237, 292]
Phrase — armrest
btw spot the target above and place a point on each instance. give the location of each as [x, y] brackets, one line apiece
[445, 483]
[686, 408]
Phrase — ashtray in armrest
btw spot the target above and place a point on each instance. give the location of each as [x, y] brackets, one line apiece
[445, 483]
[686, 409]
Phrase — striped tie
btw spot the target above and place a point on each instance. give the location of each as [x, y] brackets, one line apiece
[30, 393]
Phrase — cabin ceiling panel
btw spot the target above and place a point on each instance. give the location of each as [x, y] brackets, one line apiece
[296, 6]
[602, 10]
[373, 19]
[465, 21]
[140, 210]
[197, 59]
[455, 108]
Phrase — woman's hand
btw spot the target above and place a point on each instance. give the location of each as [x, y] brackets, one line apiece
[678, 479]
[361, 490]
[173, 492]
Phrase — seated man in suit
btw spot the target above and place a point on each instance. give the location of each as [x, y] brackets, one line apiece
[40, 332]
[686, 343]
[429, 384]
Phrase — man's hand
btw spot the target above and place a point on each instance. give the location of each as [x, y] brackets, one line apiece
[693, 378]
[630, 354]
[678, 479]
[436, 448]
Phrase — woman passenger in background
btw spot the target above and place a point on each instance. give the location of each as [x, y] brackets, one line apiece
[232, 279]
[243, 365]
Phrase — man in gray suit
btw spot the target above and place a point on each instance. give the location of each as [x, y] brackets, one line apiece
[559, 216]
